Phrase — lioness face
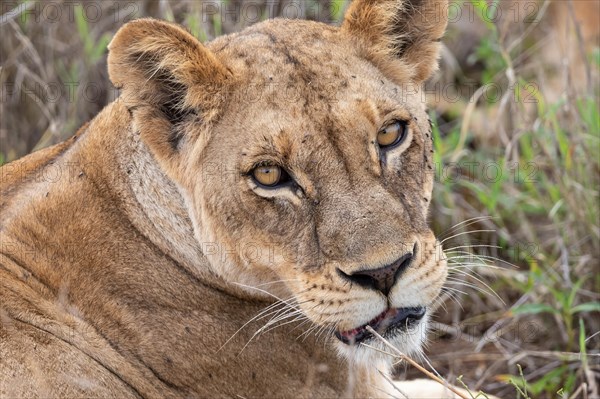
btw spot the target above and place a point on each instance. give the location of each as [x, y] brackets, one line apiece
[308, 171]
[322, 176]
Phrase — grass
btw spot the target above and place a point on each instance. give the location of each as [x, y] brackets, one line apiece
[540, 189]
[520, 170]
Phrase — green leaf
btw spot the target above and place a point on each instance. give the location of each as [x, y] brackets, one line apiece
[549, 382]
[336, 9]
[83, 29]
[100, 47]
[586, 307]
[481, 10]
[582, 348]
[574, 290]
[533, 308]
[82, 26]
[216, 20]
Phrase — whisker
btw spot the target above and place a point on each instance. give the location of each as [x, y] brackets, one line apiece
[297, 317]
[270, 310]
[471, 266]
[277, 281]
[473, 286]
[473, 246]
[456, 290]
[464, 255]
[262, 314]
[280, 315]
[466, 223]
[318, 328]
[466, 232]
[301, 324]
[256, 333]
[452, 295]
[440, 303]
[489, 258]
[307, 332]
[482, 282]
[263, 291]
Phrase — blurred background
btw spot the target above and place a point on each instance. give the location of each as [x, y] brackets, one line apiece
[517, 139]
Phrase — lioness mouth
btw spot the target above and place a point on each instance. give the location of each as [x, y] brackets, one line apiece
[388, 322]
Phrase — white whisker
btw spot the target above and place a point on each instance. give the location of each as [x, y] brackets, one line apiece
[482, 282]
[487, 258]
[473, 286]
[277, 281]
[466, 223]
[473, 246]
[466, 232]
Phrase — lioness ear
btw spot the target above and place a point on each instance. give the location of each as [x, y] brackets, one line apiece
[399, 31]
[167, 78]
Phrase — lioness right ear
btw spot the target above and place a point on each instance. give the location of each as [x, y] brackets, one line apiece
[399, 36]
[167, 77]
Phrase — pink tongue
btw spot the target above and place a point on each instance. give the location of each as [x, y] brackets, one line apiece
[351, 333]
[376, 320]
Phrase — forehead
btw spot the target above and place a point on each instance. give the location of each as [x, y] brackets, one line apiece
[292, 74]
[301, 51]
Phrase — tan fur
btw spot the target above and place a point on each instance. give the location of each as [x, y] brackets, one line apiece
[133, 254]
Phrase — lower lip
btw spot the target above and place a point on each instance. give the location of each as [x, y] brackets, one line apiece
[386, 323]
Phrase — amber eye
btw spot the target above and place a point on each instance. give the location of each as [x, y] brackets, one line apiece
[392, 134]
[270, 175]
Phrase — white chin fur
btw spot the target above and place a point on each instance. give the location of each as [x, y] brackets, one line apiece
[409, 343]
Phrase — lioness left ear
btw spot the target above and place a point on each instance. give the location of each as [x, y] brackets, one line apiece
[166, 77]
[400, 35]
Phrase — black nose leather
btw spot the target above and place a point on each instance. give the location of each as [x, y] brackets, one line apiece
[383, 278]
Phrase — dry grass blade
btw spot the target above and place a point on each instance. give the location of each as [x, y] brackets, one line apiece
[17, 11]
[415, 364]
[385, 377]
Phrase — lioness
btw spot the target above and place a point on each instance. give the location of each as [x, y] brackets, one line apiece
[278, 178]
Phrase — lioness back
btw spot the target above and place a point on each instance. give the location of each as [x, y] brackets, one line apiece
[237, 223]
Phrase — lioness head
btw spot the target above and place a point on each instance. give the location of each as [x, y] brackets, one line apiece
[304, 154]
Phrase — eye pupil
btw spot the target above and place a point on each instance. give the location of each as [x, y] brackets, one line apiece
[392, 134]
[270, 175]
[267, 175]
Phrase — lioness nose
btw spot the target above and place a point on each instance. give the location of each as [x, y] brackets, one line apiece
[383, 278]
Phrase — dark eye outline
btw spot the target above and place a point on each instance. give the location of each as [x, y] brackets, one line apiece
[401, 136]
[284, 179]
